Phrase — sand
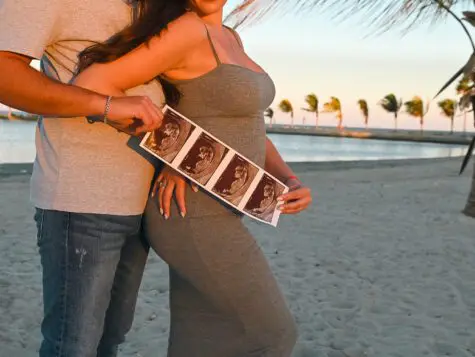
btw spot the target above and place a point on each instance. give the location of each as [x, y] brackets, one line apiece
[382, 265]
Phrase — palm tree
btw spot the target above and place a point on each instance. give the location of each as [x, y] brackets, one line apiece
[286, 107]
[390, 104]
[448, 107]
[312, 106]
[334, 106]
[363, 104]
[463, 87]
[269, 113]
[415, 108]
[10, 113]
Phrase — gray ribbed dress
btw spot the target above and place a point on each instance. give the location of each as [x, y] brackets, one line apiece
[224, 299]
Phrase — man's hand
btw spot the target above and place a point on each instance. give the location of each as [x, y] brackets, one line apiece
[168, 181]
[134, 115]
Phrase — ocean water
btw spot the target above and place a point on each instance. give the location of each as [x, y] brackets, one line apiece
[17, 146]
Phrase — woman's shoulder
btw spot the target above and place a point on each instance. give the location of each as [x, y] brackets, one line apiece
[190, 25]
[236, 35]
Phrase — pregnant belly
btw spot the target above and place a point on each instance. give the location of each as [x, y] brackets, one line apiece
[245, 135]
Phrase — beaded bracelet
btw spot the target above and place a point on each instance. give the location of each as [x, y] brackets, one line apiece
[94, 119]
[293, 178]
[107, 109]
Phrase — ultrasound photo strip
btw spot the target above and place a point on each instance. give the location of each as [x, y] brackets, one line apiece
[169, 139]
[216, 167]
[234, 181]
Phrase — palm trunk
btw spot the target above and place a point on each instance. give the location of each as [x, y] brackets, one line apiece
[422, 125]
[452, 124]
[469, 209]
[395, 122]
[464, 121]
[292, 120]
[316, 119]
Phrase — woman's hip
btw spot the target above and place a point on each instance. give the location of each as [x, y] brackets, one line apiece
[206, 219]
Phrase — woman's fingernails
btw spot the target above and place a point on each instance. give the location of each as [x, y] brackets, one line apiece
[194, 188]
[280, 199]
[161, 211]
[183, 214]
[166, 216]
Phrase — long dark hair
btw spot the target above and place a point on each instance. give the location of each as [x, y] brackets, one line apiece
[150, 18]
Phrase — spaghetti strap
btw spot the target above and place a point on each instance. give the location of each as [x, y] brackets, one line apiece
[215, 53]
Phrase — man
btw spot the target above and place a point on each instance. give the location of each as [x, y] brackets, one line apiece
[88, 185]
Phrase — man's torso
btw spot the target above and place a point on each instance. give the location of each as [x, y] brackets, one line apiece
[82, 167]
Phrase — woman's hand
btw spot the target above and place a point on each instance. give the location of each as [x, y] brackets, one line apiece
[166, 183]
[297, 199]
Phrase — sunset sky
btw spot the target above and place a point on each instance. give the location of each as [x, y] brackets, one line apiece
[316, 53]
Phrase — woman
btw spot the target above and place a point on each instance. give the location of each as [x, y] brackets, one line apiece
[224, 299]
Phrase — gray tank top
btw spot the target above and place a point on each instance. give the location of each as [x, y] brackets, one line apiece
[229, 102]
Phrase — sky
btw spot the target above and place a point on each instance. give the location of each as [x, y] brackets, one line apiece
[315, 53]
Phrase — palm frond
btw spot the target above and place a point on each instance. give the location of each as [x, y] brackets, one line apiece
[464, 86]
[334, 105]
[286, 106]
[363, 104]
[415, 107]
[448, 107]
[312, 103]
[269, 113]
[391, 104]
[380, 14]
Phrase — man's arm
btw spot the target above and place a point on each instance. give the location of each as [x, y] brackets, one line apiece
[24, 88]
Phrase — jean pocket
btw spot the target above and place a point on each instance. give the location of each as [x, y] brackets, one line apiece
[39, 219]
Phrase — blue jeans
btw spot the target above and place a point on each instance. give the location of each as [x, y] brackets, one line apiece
[92, 269]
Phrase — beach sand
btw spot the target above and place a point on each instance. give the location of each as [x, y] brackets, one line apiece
[382, 265]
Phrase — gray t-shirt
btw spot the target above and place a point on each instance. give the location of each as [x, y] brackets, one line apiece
[79, 167]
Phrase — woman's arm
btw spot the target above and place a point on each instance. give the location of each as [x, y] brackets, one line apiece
[275, 164]
[161, 54]
[299, 197]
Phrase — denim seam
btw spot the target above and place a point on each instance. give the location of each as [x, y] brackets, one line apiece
[40, 228]
[65, 287]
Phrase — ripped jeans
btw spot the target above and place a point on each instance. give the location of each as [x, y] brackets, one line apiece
[92, 268]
